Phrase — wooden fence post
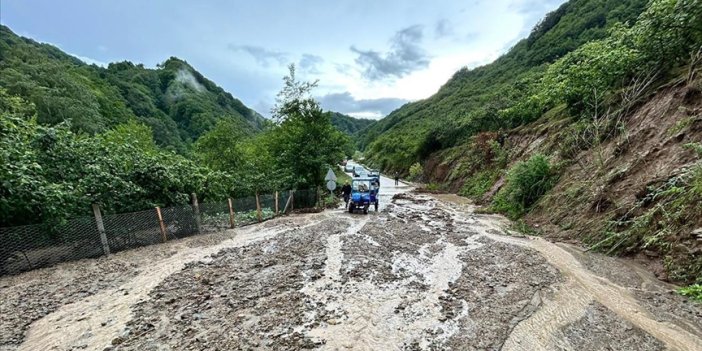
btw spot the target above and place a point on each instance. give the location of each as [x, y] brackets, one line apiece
[287, 203]
[161, 224]
[101, 229]
[231, 213]
[292, 200]
[276, 203]
[319, 198]
[258, 208]
[196, 211]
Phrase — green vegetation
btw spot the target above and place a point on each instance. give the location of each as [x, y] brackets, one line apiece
[347, 124]
[481, 162]
[304, 142]
[50, 172]
[693, 291]
[479, 183]
[341, 177]
[174, 100]
[415, 172]
[526, 182]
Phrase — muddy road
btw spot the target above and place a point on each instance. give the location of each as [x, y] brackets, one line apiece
[425, 273]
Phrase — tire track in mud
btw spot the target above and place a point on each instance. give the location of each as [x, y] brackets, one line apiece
[616, 298]
[539, 331]
[93, 323]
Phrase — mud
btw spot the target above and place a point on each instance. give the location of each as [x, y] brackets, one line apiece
[423, 274]
[601, 329]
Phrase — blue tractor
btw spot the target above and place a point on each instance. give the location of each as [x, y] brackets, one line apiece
[364, 193]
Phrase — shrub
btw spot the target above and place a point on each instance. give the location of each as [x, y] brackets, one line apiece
[584, 77]
[415, 171]
[526, 182]
[693, 291]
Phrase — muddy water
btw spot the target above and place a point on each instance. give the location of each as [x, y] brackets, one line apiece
[422, 274]
[371, 320]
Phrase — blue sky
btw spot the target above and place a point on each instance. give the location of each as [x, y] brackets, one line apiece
[370, 57]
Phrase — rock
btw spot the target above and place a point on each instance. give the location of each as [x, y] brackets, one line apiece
[125, 333]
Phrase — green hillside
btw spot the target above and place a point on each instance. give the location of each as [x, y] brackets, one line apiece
[471, 101]
[176, 101]
[348, 124]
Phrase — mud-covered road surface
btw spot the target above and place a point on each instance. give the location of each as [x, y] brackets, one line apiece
[425, 273]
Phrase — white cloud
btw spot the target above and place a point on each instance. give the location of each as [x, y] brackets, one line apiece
[90, 61]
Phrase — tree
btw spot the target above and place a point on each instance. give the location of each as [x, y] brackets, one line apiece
[220, 147]
[305, 142]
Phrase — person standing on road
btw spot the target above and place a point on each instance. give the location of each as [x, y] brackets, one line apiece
[346, 192]
[397, 178]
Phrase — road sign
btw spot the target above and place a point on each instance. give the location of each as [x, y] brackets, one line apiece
[330, 175]
[331, 185]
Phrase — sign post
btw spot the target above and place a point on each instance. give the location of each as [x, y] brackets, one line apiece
[331, 181]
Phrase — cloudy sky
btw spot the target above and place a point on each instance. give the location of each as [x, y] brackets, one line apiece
[370, 57]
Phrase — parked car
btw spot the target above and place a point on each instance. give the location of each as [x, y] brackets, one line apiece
[348, 168]
[358, 171]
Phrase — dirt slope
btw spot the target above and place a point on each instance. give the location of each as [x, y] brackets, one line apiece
[605, 182]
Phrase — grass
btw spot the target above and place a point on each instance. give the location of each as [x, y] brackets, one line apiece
[661, 221]
[477, 185]
[680, 126]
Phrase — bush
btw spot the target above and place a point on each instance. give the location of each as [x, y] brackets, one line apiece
[584, 77]
[693, 291]
[526, 182]
[416, 171]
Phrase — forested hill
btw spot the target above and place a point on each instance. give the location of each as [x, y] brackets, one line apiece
[473, 100]
[175, 100]
[347, 124]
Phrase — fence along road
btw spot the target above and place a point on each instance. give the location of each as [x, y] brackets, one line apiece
[29, 247]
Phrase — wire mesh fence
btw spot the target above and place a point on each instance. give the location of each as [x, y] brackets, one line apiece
[305, 199]
[131, 230]
[24, 248]
[32, 246]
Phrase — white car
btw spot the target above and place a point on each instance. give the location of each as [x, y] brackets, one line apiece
[349, 167]
[359, 171]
